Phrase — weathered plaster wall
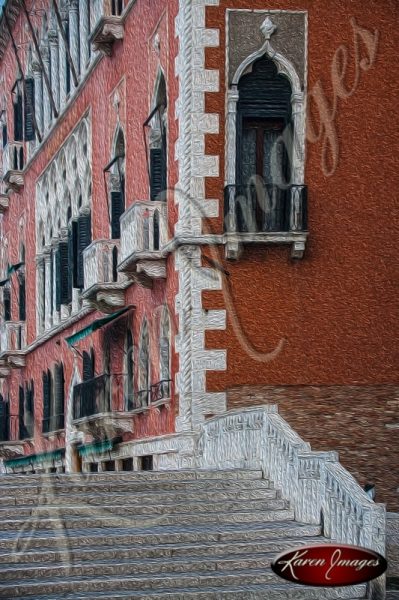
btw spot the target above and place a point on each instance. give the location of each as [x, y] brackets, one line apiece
[131, 72]
[334, 311]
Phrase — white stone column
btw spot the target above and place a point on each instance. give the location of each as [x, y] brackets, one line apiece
[74, 38]
[48, 291]
[62, 59]
[55, 66]
[46, 98]
[298, 142]
[84, 34]
[37, 76]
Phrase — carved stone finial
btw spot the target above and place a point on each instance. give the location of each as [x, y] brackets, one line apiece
[268, 28]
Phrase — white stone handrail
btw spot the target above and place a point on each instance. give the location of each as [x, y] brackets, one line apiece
[100, 260]
[319, 488]
[13, 157]
[139, 229]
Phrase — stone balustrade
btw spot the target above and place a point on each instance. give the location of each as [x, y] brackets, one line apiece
[144, 234]
[320, 490]
[100, 260]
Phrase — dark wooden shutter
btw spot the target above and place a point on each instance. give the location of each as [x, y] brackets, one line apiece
[5, 135]
[29, 110]
[84, 239]
[4, 420]
[71, 263]
[67, 65]
[156, 232]
[117, 209]
[46, 401]
[18, 119]
[59, 396]
[63, 277]
[22, 297]
[88, 366]
[7, 303]
[156, 169]
[30, 409]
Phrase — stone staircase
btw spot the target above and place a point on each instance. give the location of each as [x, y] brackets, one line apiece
[179, 535]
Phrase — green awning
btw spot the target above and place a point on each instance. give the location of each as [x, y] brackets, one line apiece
[97, 324]
[13, 268]
[33, 459]
[96, 448]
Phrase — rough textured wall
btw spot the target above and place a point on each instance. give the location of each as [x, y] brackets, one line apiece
[336, 309]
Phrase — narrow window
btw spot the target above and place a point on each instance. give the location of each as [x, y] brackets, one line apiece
[22, 295]
[59, 397]
[29, 129]
[263, 170]
[156, 232]
[84, 240]
[18, 114]
[46, 378]
[129, 386]
[144, 367]
[4, 420]
[7, 303]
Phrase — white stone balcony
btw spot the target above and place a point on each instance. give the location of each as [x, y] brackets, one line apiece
[13, 165]
[12, 344]
[107, 24]
[144, 235]
[103, 285]
[4, 198]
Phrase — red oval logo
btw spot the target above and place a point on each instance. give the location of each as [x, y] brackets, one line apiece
[329, 565]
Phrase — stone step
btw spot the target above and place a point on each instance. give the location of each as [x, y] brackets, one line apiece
[147, 521]
[131, 476]
[126, 567]
[187, 581]
[101, 553]
[70, 539]
[140, 498]
[251, 592]
[83, 509]
[134, 486]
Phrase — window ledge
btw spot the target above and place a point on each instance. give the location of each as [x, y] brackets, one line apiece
[161, 402]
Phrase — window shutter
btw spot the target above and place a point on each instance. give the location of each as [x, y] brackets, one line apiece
[84, 239]
[7, 303]
[5, 135]
[117, 209]
[18, 119]
[3, 420]
[30, 411]
[22, 297]
[63, 278]
[59, 396]
[29, 110]
[88, 366]
[156, 232]
[67, 65]
[46, 402]
[164, 159]
[156, 168]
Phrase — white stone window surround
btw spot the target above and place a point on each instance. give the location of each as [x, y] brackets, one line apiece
[60, 186]
[298, 104]
[298, 99]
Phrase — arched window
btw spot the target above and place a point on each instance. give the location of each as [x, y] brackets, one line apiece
[164, 352]
[158, 143]
[263, 170]
[118, 185]
[144, 367]
[129, 383]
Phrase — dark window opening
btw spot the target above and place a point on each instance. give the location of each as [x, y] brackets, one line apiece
[146, 463]
[93, 467]
[156, 233]
[127, 464]
[117, 7]
[109, 465]
[7, 303]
